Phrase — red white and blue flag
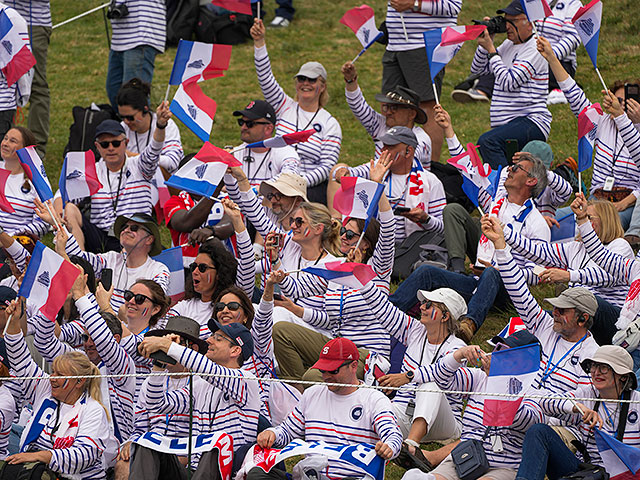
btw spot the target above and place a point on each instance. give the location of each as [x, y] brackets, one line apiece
[5, 206]
[280, 141]
[204, 172]
[48, 280]
[358, 198]
[34, 170]
[566, 232]
[15, 57]
[622, 462]
[78, 178]
[239, 6]
[515, 325]
[475, 174]
[536, 9]
[587, 132]
[587, 21]
[200, 61]
[194, 109]
[348, 274]
[361, 20]
[172, 258]
[443, 43]
[512, 371]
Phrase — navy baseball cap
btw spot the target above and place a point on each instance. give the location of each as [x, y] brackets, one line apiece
[256, 110]
[514, 8]
[238, 333]
[6, 295]
[110, 127]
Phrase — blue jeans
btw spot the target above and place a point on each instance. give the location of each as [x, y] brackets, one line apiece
[493, 143]
[123, 66]
[480, 294]
[544, 453]
[604, 322]
[626, 218]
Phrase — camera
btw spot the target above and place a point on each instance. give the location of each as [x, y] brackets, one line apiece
[496, 24]
[116, 12]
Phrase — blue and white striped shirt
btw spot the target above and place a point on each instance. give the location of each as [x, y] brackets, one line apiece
[24, 219]
[146, 24]
[34, 12]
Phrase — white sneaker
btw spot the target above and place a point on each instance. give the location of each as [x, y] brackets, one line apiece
[556, 97]
[279, 22]
[468, 96]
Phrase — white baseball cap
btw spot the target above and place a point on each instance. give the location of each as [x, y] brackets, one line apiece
[450, 298]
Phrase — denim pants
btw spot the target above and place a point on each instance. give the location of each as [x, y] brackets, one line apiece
[493, 143]
[626, 218]
[123, 66]
[480, 294]
[544, 453]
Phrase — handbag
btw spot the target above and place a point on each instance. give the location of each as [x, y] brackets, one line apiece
[470, 459]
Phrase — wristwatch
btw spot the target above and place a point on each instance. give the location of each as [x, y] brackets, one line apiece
[409, 374]
[493, 54]
[416, 6]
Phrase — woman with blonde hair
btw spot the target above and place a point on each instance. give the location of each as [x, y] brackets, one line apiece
[69, 429]
[569, 262]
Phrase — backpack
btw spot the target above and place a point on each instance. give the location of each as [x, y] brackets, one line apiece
[225, 28]
[182, 16]
[26, 471]
[83, 130]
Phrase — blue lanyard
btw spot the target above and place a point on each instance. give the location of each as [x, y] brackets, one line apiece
[606, 411]
[145, 330]
[549, 369]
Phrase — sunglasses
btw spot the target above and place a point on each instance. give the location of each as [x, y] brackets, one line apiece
[350, 234]
[233, 306]
[251, 123]
[277, 195]
[516, 166]
[106, 143]
[202, 267]
[134, 227]
[299, 221]
[302, 79]
[335, 372]
[129, 118]
[391, 107]
[427, 304]
[139, 298]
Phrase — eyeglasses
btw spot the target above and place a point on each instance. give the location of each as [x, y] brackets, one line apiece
[277, 195]
[603, 368]
[299, 221]
[217, 337]
[129, 118]
[106, 143]
[202, 267]
[139, 298]
[335, 372]
[134, 227]
[350, 234]
[233, 306]
[251, 123]
[302, 79]
[516, 166]
[391, 107]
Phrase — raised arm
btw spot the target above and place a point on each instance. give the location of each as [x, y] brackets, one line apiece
[371, 120]
[246, 276]
[150, 156]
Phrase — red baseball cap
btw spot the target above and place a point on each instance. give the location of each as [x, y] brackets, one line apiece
[335, 353]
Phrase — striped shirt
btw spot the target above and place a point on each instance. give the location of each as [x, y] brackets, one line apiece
[7, 415]
[261, 166]
[376, 125]
[433, 14]
[364, 416]
[146, 24]
[560, 32]
[24, 219]
[413, 334]
[8, 93]
[560, 369]
[320, 153]
[617, 144]
[118, 393]
[573, 257]
[564, 409]
[451, 376]
[142, 364]
[171, 153]
[85, 458]
[35, 12]
[123, 276]
[521, 83]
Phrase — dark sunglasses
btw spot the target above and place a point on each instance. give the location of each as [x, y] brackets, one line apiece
[277, 195]
[134, 227]
[302, 79]
[298, 221]
[335, 372]
[350, 234]
[202, 267]
[251, 123]
[516, 166]
[106, 143]
[233, 306]
[139, 298]
[129, 118]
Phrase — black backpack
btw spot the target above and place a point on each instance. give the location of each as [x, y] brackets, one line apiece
[182, 16]
[225, 28]
[83, 130]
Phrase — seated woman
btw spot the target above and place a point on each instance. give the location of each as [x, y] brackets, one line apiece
[19, 191]
[612, 378]
[69, 430]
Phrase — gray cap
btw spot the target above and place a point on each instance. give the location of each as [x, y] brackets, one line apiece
[396, 135]
[312, 70]
[576, 297]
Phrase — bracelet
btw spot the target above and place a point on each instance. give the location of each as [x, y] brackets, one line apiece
[352, 80]
[161, 127]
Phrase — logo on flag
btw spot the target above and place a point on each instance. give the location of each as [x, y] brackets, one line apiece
[364, 198]
[200, 170]
[196, 64]
[515, 386]
[586, 26]
[199, 61]
[7, 47]
[194, 109]
[361, 20]
[43, 279]
[587, 21]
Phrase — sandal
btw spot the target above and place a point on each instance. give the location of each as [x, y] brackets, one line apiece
[403, 460]
[418, 460]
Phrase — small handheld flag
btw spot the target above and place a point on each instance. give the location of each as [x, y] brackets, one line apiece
[348, 274]
[587, 131]
[567, 230]
[172, 258]
[15, 57]
[34, 171]
[200, 60]
[361, 20]
[5, 206]
[78, 178]
[239, 6]
[358, 198]
[536, 9]
[280, 141]
[621, 461]
[587, 21]
[475, 174]
[194, 109]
